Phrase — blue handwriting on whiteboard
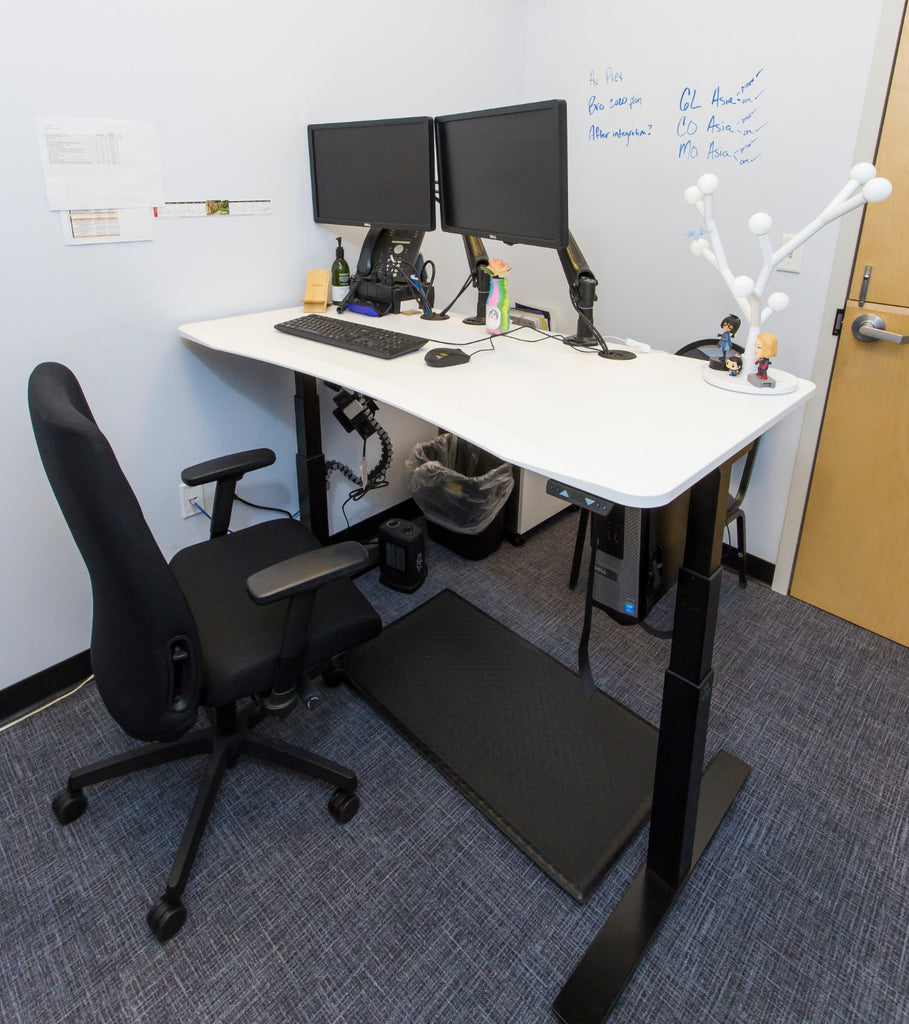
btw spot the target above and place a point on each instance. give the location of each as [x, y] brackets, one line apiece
[730, 121]
[609, 75]
[595, 106]
[741, 155]
[743, 95]
[598, 134]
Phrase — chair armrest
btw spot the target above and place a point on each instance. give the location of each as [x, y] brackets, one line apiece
[306, 571]
[227, 466]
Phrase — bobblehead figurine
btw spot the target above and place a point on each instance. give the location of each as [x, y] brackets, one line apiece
[734, 364]
[728, 328]
[765, 346]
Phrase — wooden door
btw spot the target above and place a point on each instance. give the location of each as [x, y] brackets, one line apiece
[853, 556]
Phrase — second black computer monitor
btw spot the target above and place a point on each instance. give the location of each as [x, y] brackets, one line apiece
[503, 173]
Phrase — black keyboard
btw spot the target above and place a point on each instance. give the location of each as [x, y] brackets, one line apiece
[349, 334]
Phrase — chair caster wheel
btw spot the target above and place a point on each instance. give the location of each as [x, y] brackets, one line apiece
[67, 806]
[165, 918]
[343, 805]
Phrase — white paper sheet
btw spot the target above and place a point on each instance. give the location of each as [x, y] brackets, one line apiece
[89, 227]
[97, 163]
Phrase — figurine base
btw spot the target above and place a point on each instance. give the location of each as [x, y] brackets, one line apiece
[778, 382]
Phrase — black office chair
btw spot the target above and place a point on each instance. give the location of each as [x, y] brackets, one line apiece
[705, 349]
[241, 617]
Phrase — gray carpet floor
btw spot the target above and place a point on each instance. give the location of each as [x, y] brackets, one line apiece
[420, 910]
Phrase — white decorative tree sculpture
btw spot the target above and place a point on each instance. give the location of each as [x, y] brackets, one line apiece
[863, 187]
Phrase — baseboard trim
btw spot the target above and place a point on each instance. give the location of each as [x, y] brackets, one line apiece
[366, 530]
[44, 685]
[755, 568]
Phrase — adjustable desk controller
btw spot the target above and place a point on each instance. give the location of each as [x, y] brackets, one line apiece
[578, 497]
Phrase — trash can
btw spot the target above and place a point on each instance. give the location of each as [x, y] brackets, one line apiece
[462, 491]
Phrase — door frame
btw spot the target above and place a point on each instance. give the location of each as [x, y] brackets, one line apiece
[888, 36]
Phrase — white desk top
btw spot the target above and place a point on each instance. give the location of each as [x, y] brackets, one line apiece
[639, 432]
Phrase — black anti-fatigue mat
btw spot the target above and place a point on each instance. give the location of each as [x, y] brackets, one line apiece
[567, 778]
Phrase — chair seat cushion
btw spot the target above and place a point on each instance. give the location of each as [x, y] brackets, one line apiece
[239, 638]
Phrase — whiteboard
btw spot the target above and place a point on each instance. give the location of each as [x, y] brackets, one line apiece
[767, 97]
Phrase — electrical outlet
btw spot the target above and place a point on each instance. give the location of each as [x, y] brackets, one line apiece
[189, 498]
[792, 264]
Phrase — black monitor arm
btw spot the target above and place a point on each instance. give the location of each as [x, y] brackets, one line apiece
[476, 259]
[582, 287]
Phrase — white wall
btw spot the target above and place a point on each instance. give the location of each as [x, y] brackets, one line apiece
[231, 87]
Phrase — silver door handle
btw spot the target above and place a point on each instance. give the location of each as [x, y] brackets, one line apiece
[871, 328]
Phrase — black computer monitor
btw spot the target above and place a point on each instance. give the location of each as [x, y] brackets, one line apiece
[374, 173]
[503, 173]
[379, 175]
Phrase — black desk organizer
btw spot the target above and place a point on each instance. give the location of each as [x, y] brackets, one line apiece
[567, 778]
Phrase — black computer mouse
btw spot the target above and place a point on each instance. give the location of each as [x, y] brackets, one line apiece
[446, 357]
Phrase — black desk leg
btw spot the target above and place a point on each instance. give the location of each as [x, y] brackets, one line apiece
[310, 457]
[688, 804]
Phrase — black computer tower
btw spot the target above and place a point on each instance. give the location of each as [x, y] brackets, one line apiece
[637, 555]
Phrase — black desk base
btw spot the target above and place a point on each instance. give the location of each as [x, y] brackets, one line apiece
[599, 979]
[679, 831]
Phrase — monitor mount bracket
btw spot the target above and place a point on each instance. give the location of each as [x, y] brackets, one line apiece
[476, 260]
[582, 286]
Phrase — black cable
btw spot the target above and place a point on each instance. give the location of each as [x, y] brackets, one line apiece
[421, 288]
[585, 673]
[263, 508]
[356, 495]
[376, 476]
[464, 288]
[583, 316]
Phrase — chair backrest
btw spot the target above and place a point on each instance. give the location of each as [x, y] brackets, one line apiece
[144, 647]
[706, 348]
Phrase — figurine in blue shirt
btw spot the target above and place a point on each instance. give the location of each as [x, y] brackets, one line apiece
[728, 328]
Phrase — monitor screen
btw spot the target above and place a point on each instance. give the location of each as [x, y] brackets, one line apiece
[503, 173]
[373, 173]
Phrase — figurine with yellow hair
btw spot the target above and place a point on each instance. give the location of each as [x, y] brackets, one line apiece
[765, 347]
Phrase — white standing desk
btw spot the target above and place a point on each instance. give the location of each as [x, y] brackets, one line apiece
[638, 432]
